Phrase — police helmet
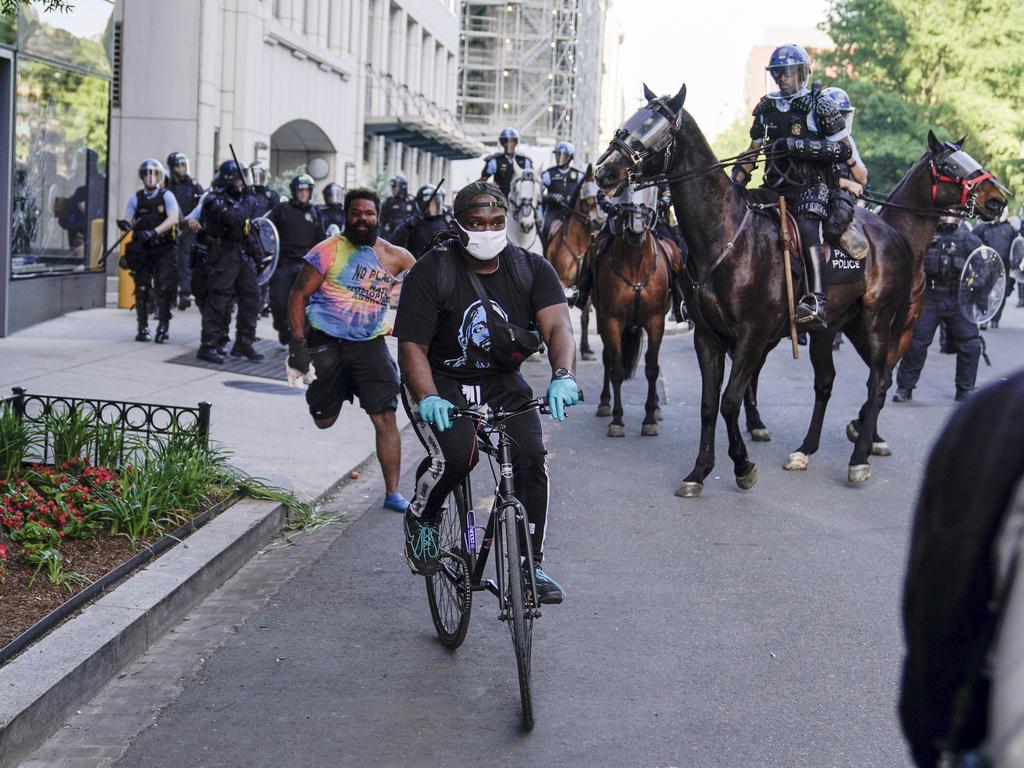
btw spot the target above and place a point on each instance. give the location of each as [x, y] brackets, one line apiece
[508, 133]
[258, 174]
[302, 181]
[227, 173]
[177, 159]
[334, 194]
[152, 171]
[842, 100]
[399, 185]
[564, 152]
[789, 60]
[423, 198]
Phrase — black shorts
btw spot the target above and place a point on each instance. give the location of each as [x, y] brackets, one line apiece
[350, 368]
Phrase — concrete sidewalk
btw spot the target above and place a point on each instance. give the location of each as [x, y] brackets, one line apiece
[92, 353]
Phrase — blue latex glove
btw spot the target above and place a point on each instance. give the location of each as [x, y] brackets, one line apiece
[436, 411]
[562, 394]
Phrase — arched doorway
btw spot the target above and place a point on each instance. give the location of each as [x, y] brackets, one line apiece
[296, 147]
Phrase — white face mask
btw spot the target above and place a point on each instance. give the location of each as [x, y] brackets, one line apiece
[484, 245]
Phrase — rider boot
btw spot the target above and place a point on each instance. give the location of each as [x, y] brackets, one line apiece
[678, 309]
[141, 319]
[812, 309]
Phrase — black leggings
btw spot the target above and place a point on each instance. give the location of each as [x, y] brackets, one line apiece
[452, 454]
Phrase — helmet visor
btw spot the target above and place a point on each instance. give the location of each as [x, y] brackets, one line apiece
[180, 167]
[259, 175]
[152, 177]
[562, 157]
[786, 81]
[333, 195]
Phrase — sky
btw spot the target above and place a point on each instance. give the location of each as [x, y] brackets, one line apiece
[706, 45]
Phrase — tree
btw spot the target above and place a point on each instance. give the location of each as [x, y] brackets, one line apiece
[909, 65]
[9, 8]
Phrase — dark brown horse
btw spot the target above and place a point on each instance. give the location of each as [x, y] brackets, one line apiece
[631, 298]
[736, 292]
[568, 243]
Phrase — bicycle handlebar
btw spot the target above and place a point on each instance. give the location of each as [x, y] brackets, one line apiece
[476, 413]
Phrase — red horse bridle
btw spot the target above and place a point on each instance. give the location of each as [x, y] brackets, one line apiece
[967, 185]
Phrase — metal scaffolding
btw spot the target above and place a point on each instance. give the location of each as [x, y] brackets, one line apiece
[534, 65]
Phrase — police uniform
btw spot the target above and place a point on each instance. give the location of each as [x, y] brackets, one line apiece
[264, 200]
[417, 231]
[393, 211]
[187, 192]
[152, 263]
[559, 186]
[298, 229]
[999, 236]
[332, 213]
[943, 263]
[502, 168]
[230, 271]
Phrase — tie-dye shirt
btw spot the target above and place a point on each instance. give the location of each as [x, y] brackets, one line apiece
[352, 301]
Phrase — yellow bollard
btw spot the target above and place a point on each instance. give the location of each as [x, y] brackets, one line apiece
[125, 284]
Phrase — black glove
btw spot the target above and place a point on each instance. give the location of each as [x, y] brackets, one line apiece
[124, 225]
[298, 355]
[814, 149]
[740, 175]
[145, 235]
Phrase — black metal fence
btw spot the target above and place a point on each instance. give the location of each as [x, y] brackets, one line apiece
[145, 422]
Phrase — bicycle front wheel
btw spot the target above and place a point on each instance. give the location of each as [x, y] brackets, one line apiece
[521, 612]
[448, 590]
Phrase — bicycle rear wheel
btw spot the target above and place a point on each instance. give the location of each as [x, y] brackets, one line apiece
[448, 590]
[521, 612]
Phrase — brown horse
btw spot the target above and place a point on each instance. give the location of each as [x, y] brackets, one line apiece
[570, 240]
[736, 291]
[631, 298]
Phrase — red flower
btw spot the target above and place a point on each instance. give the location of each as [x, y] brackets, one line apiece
[3, 551]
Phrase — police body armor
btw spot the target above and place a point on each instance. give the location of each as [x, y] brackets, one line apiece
[150, 213]
[332, 215]
[562, 186]
[417, 232]
[264, 200]
[945, 258]
[505, 170]
[298, 228]
[393, 211]
[223, 218]
[187, 192]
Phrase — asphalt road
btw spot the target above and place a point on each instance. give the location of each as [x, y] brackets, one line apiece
[741, 629]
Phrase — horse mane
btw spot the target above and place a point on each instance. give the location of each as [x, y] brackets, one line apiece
[906, 176]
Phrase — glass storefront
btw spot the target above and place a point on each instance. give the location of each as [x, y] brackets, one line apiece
[61, 140]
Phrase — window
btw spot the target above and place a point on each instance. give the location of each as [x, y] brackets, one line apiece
[59, 188]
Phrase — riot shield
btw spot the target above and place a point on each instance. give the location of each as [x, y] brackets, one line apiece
[982, 285]
[265, 247]
[1017, 259]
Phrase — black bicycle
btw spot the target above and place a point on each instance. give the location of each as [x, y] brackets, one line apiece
[465, 546]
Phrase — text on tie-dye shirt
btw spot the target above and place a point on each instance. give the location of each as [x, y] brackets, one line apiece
[352, 301]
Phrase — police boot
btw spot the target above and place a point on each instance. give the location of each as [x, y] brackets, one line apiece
[1020, 294]
[678, 311]
[812, 309]
[163, 326]
[209, 354]
[245, 349]
[141, 320]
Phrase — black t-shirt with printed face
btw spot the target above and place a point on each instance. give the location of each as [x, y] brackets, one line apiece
[459, 339]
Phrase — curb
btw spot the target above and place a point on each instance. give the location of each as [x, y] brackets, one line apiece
[40, 688]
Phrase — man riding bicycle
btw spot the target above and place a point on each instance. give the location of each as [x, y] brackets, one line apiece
[450, 354]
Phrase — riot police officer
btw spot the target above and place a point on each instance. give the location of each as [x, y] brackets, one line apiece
[560, 182]
[187, 191]
[332, 212]
[259, 183]
[805, 136]
[299, 229]
[431, 217]
[501, 165]
[999, 236]
[852, 174]
[230, 271]
[943, 264]
[397, 208]
[152, 213]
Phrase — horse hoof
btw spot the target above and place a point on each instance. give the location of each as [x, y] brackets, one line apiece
[797, 461]
[760, 435]
[689, 490]
[658, 415]
[881, 449]
[587, 356]
[603, 411]
[852, 433]
[649, 430]
[616, 430]
[859, 473]
[746, 482]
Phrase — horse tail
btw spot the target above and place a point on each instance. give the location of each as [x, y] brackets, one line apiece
[632, 345]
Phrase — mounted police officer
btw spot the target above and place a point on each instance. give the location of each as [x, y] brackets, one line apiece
[332, 212]
[560, 182]
[397, 208]
[299, 229]
[501, 165]
[999, 236]
[852, 174]
[431, 217]
[152, 213]
[943, 264]
[187, 191]
[805, 137]
[230, 271]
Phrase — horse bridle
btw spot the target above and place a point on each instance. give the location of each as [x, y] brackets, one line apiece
[942, 173]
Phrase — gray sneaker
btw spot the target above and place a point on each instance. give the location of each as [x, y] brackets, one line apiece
[422, 545]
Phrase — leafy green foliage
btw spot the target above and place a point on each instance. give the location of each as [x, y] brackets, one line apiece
[956, 66]
[17, 438]
[9, 8]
